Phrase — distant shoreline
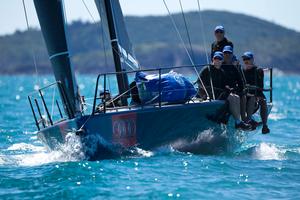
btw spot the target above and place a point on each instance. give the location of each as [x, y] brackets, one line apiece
[275, 72]
[156, 43]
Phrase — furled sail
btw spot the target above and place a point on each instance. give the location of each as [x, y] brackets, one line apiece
[110, 11]
[52, 21]
[112, 18]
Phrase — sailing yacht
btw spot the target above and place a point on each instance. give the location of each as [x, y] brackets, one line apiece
[153, 107]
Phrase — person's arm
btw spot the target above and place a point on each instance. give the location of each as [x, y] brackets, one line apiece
[260, 78]
[241, 85]
[203, 76]
[224, 82]
[212, 52]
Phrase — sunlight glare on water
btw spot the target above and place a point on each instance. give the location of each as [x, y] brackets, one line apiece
[263, 167]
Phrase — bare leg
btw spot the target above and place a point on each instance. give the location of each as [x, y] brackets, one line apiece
[234, 106]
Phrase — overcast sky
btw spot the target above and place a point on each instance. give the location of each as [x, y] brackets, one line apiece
[283, 12]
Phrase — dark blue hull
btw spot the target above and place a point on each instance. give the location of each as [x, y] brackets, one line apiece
[146, 128]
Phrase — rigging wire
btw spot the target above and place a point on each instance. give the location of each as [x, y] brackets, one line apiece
[103, 40]
[32, 50]
[38, 82]
[88, 10]
[108, 39]
[203, 33]
[122, 56]
[78, 100]
[66, 27]
[102, 35]
[181, 39]
[187, 30]
[205, 49]
[102, 30]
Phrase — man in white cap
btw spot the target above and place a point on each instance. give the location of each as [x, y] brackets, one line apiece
[221, 41]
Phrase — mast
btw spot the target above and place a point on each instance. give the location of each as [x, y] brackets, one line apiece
[121, 46]
[52, 21]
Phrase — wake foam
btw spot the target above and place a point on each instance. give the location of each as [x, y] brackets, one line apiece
[92, 147]
[266, 151]
[212, 141]
[144, 153]
[2, 162]
[23, 154]
[25, 147]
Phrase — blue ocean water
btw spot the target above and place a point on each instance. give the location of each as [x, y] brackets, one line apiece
[264, 167]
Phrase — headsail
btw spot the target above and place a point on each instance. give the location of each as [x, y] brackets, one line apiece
[51, 17]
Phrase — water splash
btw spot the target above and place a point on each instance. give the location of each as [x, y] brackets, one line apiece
[23, 154]
[97, 148]
[1, 160]
[265, 151]
[24, 147]
[141, 152]
[212, 141]
[277, 116]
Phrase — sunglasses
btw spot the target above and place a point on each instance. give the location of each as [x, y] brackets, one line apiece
[219, 31]
[217, 58]
[246, 59]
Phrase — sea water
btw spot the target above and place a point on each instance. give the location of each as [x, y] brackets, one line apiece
[264, 167]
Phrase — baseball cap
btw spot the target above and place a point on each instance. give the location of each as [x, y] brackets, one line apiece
[234, 58]
[220, 28]
[228, 49]
[248, 55]
[218, 54]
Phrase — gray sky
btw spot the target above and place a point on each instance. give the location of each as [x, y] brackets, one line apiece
[283, 12]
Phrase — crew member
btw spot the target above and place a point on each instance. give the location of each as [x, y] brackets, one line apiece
[255, 82]
[220, 42]
[214, 77]
[233, 77]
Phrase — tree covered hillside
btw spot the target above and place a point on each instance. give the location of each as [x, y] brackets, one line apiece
[157, 44]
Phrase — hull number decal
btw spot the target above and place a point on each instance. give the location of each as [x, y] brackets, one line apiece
[124, 129]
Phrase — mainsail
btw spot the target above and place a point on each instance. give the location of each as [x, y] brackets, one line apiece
[112, 17]
[51, 17]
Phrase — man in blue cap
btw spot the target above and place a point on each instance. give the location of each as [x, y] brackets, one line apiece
[232, 75]
[215, 74]
[221, 41]
[234, 80]
[214, 77]
[255, 80]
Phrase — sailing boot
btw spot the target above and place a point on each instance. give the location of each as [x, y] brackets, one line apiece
[265, 129]
[253, 123]
[243, 126]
